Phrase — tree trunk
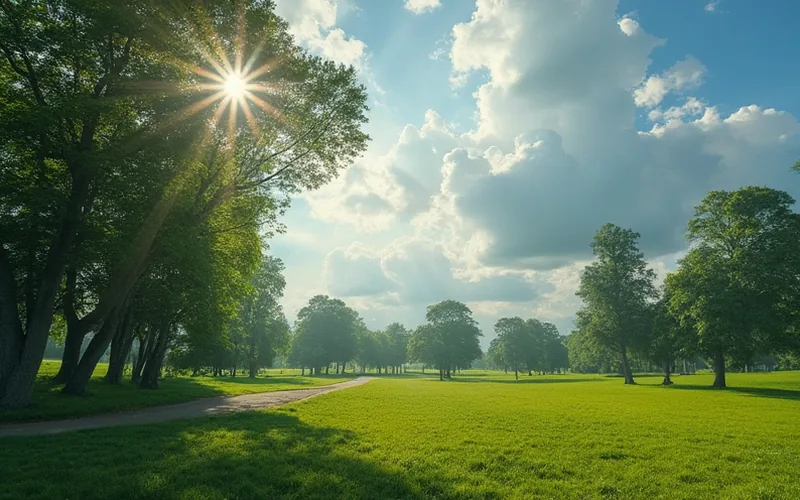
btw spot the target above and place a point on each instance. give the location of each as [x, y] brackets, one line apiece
[530, 373]
[719, 370]
[152, 367]
[302, 370]
[120, 349]
[253, 369]
[77, 383]
[441, 373]
[146, 344]
[667, 373]
[626, 367]
[25, 353]
[71, 355]
[516, 375]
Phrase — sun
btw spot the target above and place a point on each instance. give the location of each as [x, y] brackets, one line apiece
[235, 86]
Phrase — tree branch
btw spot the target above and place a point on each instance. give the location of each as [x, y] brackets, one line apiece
[291, 162]
[29, 73]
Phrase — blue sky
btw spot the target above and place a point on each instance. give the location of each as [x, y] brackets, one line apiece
[506, 131]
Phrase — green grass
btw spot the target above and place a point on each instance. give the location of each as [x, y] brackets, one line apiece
[48, 403]
[479, 436]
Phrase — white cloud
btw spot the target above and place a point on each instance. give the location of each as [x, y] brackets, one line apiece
[686, 74]
[313, 23]
[416, 271]
[501, 217]
[422, 6]
[712, 6]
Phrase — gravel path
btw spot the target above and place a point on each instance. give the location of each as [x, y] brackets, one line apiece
[192, 409]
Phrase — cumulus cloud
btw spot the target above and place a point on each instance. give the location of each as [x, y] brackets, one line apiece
[502, 216]
[686, 74]
[414, 271]
[376, 191]
[313, 23]
[422, 6]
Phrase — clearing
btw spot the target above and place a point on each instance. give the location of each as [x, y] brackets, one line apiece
[479, 436]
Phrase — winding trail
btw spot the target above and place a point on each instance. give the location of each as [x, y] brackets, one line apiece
[192, 409]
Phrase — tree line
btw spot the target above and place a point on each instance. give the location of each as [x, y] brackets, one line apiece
[137, 196]
[734, 297]
[328, 334]
[527, 346]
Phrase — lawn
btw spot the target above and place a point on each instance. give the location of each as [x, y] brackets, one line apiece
[479, 436]
[49, 403]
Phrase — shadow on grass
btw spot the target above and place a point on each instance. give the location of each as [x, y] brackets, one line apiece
[251, 455]
[762, 392]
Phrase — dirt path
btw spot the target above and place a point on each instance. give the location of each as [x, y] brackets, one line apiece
[192, 409]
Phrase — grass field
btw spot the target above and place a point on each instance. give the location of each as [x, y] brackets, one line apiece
[480, 436]
[49, 403]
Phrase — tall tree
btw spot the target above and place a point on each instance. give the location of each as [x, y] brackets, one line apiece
[265, 331]
[616, 289]
[105, 93]
[739, 285]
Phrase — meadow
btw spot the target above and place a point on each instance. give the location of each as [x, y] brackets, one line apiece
[48, 403]
[481, 435]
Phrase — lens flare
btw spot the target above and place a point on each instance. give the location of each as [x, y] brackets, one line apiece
[235, 86]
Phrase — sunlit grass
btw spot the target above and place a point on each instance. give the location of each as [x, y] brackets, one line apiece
[49, 403]
[480, 436]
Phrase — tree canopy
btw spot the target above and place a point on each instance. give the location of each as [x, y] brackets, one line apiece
[738, 285]
[127, 167]
[616, 289]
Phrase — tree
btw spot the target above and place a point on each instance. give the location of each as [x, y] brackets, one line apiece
[587, 355]
[398, 338]
[615, 290]
[669, 339]
[325, 333]
[265, 331]
[738, 285]
[515, 341]
[112, 139]
[426, 346]
[449, 339]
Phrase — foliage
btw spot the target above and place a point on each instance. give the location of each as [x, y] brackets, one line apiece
[122, 170]
[738, 285]
[449, 339]
[528, 345]
[616, 290]
[326, 332]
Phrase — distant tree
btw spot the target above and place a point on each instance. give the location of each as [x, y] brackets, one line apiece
[495, 357]
[325, 333]
[426, 346]
[615, 290]
[514, 340]
[263, 326]
[449, 339]
[739, 285]
[398, 338]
